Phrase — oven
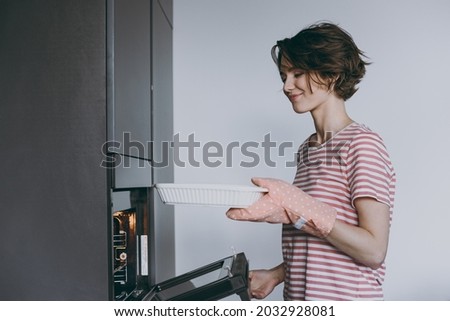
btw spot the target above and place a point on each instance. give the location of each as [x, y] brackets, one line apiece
[135, 261]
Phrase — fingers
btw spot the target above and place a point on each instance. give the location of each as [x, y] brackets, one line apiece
[261, 182]
[256, 181]
[254, 293]
[263, 210]
[237, 214]
[258, 294]
[270, 183]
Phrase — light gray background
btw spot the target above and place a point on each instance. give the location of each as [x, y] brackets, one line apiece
[227, 89]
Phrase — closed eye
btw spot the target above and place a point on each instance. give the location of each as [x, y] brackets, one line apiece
[295, 72]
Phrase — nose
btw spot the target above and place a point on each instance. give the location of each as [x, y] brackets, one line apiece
[288, 84]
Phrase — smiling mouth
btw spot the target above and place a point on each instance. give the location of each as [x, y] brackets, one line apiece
[292, 98]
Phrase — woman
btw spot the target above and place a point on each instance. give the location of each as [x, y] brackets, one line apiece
[337, 213]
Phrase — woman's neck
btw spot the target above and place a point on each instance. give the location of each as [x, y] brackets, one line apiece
[329, 120]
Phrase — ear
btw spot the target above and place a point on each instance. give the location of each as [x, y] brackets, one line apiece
[331, 82]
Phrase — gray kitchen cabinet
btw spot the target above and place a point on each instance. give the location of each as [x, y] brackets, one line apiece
[129, 100]
[52, 125]
[61, 100]
[140, 64]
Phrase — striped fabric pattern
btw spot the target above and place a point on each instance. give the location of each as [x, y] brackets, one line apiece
[353, 163]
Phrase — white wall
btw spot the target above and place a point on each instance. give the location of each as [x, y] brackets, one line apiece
[227, 89]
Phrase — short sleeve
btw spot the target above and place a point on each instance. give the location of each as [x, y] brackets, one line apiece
[369, 169]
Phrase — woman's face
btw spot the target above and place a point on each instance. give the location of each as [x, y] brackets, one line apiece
[304, 94]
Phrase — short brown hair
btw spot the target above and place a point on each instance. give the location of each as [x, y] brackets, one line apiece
[327, 51]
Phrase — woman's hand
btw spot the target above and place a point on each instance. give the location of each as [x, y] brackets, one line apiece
[288, 204]
[262, 282]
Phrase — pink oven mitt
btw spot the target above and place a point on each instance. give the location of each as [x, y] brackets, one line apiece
[288, 204]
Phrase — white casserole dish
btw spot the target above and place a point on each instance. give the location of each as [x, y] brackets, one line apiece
[237, 196]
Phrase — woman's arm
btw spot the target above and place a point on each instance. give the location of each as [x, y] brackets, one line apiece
[366, 243]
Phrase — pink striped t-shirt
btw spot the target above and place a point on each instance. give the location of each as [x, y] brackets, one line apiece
[353, 163]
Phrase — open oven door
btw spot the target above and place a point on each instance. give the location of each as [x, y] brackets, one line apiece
[211, 282]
